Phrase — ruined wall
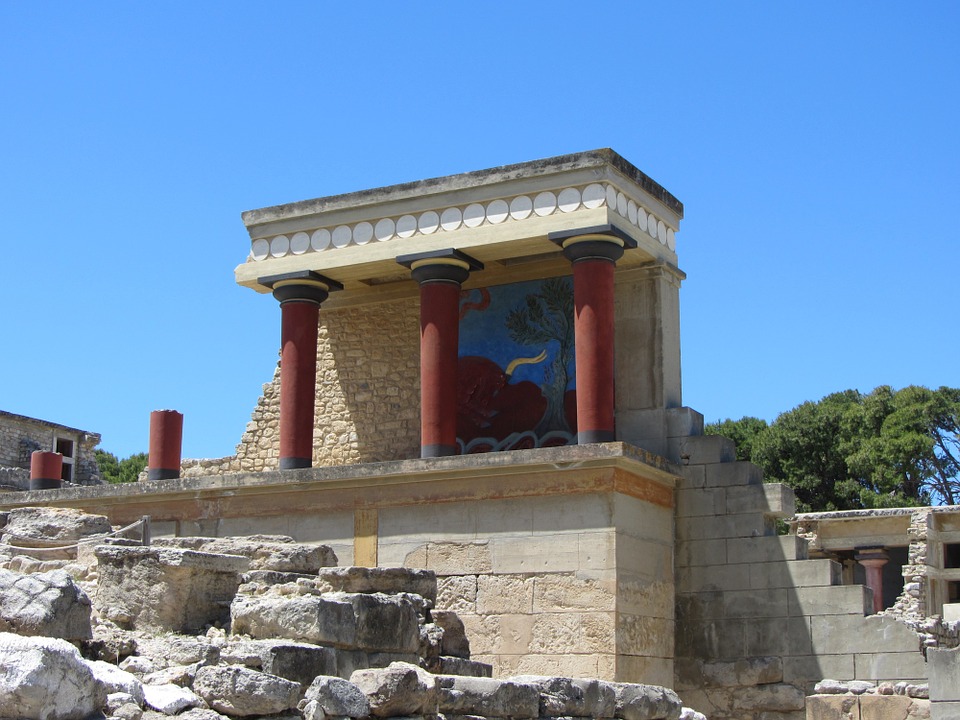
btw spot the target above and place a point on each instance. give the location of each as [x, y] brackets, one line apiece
[21, 435]
[368, 393]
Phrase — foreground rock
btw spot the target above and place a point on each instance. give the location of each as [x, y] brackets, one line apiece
[240, 691]
[166, 589]
[47, 604]
[397, 690]
[277, 553]
[46, 679]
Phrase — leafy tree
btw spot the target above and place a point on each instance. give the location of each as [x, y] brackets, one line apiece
[127, 470]
[853, 451]
[743, 432]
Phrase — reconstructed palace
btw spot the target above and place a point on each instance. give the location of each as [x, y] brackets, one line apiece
[480, 376]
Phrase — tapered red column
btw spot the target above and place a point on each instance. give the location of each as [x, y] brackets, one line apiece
[594, 256]
[46, 470]
[300, 295]
[873, 560]
[440, 275]
[166, 442]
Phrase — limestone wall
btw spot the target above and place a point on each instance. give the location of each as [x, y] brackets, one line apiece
[368, 392]
[21, 435]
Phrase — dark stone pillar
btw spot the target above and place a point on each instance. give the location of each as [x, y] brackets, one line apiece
[46, 470]
[166, 442]
[440, 275]
[300, 295]
[594, 253]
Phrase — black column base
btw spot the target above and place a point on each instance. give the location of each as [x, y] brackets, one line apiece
[295, 463]
[45, 484]
[430, 451]
[162, 474]
[595, 436]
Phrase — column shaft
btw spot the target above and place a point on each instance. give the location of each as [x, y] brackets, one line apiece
[298, 378]
[46, 470]
[166, 442]
[593, 328]
[439, 347]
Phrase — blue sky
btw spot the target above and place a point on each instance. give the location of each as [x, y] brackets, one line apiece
[814, 145]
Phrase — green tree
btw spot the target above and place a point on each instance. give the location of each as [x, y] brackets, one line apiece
[127, 470]
[853, 451]
[743, 432]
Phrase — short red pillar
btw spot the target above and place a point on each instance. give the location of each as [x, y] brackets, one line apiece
[166, 443]
[873, 560]
[300, 295]
[440, 275]
[46, 470]
[594, 256]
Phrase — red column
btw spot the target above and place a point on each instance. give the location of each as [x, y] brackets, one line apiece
[166, 441]
[873, 561]
[439, 350]
[594, 256]
[298, 382]
[46, 470]
[440, 274]
[300, 294]
[593, 328]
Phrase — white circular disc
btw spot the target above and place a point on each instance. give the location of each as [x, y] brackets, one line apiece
[569, 199]
[662, 232]
[450, 219]
[593, 195]
[632, 212]
[428, 222]
[544, 204]
[406, 226]
[473, 215]
[299, 243]
[279, 246]
[641, 218]
[383, 230]
[521, 207]
[497, 211]
[320, 240]
[610, 193]
[341, 236]
[362, 233]
[622, 204]
[652, 226]
[671, 240]
[260, 249]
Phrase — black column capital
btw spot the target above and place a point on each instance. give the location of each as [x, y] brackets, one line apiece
[440, 266]
[300, 286]
[601, 242]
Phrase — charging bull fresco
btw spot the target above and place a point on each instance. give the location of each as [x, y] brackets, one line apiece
[517, 386]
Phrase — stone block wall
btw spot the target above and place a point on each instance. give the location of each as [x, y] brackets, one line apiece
[758, 623]
[21, 435]
[368, 393]
[577, 585]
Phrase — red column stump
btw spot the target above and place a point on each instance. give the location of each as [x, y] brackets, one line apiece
[166, 442]
[46, 470]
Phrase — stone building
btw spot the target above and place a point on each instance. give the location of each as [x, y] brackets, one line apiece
[20, 436]
[480, 376]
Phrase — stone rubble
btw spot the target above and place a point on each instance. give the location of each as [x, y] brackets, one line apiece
[306, 641]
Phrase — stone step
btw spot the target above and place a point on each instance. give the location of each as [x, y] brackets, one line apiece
[818, 573]
[705, 449]
[725, 474]
[766, 549]
[834, 600]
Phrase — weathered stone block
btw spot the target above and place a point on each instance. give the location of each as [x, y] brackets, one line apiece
[383, 580]
[166, 589]
[454, 642]
[772, 603]
[706, 578]
[645, 702]
[730, 474]
[238, 690]
[777, 636]
[311, 618]
[400, 689]
[556, 591]
[838, 634]
[564, 696]
[334, 696]
[498, 594]
[944, 668]
[697, 553]
[776, 697]
[893, 666]
[743, 525]
[707, 449]
[279, 553]
[744, 672]
[834, 600]
[773, 499]
[45, 678]
[299, 662]
[892, 707]
[766, 549]
[457, 558]
[833, 707]
[457, 593]
[463, 667]
[708, 502]
[487, 697]
[796, 573]
[48, 604]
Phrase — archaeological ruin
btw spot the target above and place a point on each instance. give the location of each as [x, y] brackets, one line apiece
[471, 489]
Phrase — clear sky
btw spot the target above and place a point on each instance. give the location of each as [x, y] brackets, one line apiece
[815, 146]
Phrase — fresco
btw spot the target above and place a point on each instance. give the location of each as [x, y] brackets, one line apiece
[517, 386]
